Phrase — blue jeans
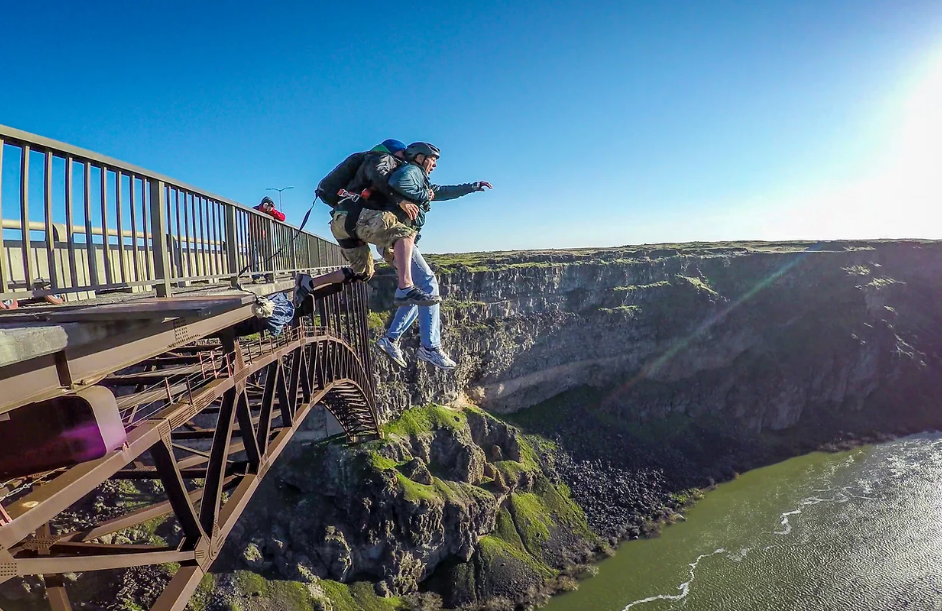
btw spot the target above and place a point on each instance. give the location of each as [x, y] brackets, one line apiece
[430, 324]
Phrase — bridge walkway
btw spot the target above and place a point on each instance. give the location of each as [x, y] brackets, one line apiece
[141, 392]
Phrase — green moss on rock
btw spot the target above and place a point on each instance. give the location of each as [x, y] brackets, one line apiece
[280, 595]
[424, 419]
[358, 596]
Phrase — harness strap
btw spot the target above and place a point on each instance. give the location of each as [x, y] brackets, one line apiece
[354, 210]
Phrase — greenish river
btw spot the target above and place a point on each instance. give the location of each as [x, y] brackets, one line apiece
[859, 530]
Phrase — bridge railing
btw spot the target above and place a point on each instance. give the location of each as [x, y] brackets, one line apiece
[74, 222]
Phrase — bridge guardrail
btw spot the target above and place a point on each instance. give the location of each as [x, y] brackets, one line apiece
[108, 225]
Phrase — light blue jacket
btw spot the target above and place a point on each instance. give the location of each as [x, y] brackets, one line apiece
[411, 182]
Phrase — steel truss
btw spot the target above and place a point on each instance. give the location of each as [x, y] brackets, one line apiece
[207, 420]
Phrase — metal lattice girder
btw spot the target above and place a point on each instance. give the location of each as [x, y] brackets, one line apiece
[243, 402]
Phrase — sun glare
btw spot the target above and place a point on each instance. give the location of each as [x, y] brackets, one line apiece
[918, 168]
[900, 198]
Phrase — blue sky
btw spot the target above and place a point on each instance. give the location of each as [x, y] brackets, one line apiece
[599, 123]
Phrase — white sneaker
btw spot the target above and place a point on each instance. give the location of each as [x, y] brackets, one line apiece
[303, 286]
[436, 357]
[392, 350]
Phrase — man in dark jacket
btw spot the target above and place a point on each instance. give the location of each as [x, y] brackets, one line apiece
[411, 181]
[360, 171]
[365, 216]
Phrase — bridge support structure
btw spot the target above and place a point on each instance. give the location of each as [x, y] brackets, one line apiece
[207, 415]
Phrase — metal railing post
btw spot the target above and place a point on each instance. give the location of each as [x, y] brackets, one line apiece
[232, 253]
[158, 236]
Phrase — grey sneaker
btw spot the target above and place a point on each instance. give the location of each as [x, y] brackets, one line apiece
[415, 296]
[392, 350]
[436, 357]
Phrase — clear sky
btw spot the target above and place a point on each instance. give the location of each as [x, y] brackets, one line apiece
[599, 123]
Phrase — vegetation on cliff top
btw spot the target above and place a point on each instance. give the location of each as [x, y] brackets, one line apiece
[425, 420]
[504, 260]
[256, 593]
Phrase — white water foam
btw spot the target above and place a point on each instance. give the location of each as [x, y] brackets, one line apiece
[841, 496]
[859, 496]
[684, 587]
[785, 523]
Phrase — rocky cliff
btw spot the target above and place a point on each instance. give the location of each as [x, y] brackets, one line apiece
[450, 495]
[764, 335]
[637, 372]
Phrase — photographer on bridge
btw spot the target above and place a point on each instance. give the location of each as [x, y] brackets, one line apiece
[260, 244]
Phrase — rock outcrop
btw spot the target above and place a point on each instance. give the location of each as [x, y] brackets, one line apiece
[448, 490]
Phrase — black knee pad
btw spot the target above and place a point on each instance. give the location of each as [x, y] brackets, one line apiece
[349, 243]
[350, 276]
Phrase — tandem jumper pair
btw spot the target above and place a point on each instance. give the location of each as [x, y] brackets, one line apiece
[380, 197]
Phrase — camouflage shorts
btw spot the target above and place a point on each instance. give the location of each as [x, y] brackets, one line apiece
[374, 227]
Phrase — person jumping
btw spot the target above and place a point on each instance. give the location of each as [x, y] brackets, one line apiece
[411, 181]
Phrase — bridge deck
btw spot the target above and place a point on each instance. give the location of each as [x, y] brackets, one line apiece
[205, 414]
[40, 330]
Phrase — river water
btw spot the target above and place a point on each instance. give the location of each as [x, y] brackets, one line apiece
[859, 530]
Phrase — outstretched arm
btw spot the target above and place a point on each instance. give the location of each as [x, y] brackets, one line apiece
[445, 192]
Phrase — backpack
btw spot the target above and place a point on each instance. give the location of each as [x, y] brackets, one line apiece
[338, 179]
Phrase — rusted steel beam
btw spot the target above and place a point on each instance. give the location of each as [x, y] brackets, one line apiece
[77, 564]
[285, 402]
[178, 592]
[215, 472]
[240, 497]
[47, 501]
[295, 377]
[149, 377]
[134, 518]
[172, 480]
[267, 406]
[176, 359]
[247, 432]
[299, 371]
[38, 379]
[148, 473]
[56, 593]
[68, 549]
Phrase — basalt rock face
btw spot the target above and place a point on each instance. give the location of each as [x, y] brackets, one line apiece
[447, 489]
[765, 336]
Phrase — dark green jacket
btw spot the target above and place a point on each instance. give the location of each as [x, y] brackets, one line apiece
[373, 174]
